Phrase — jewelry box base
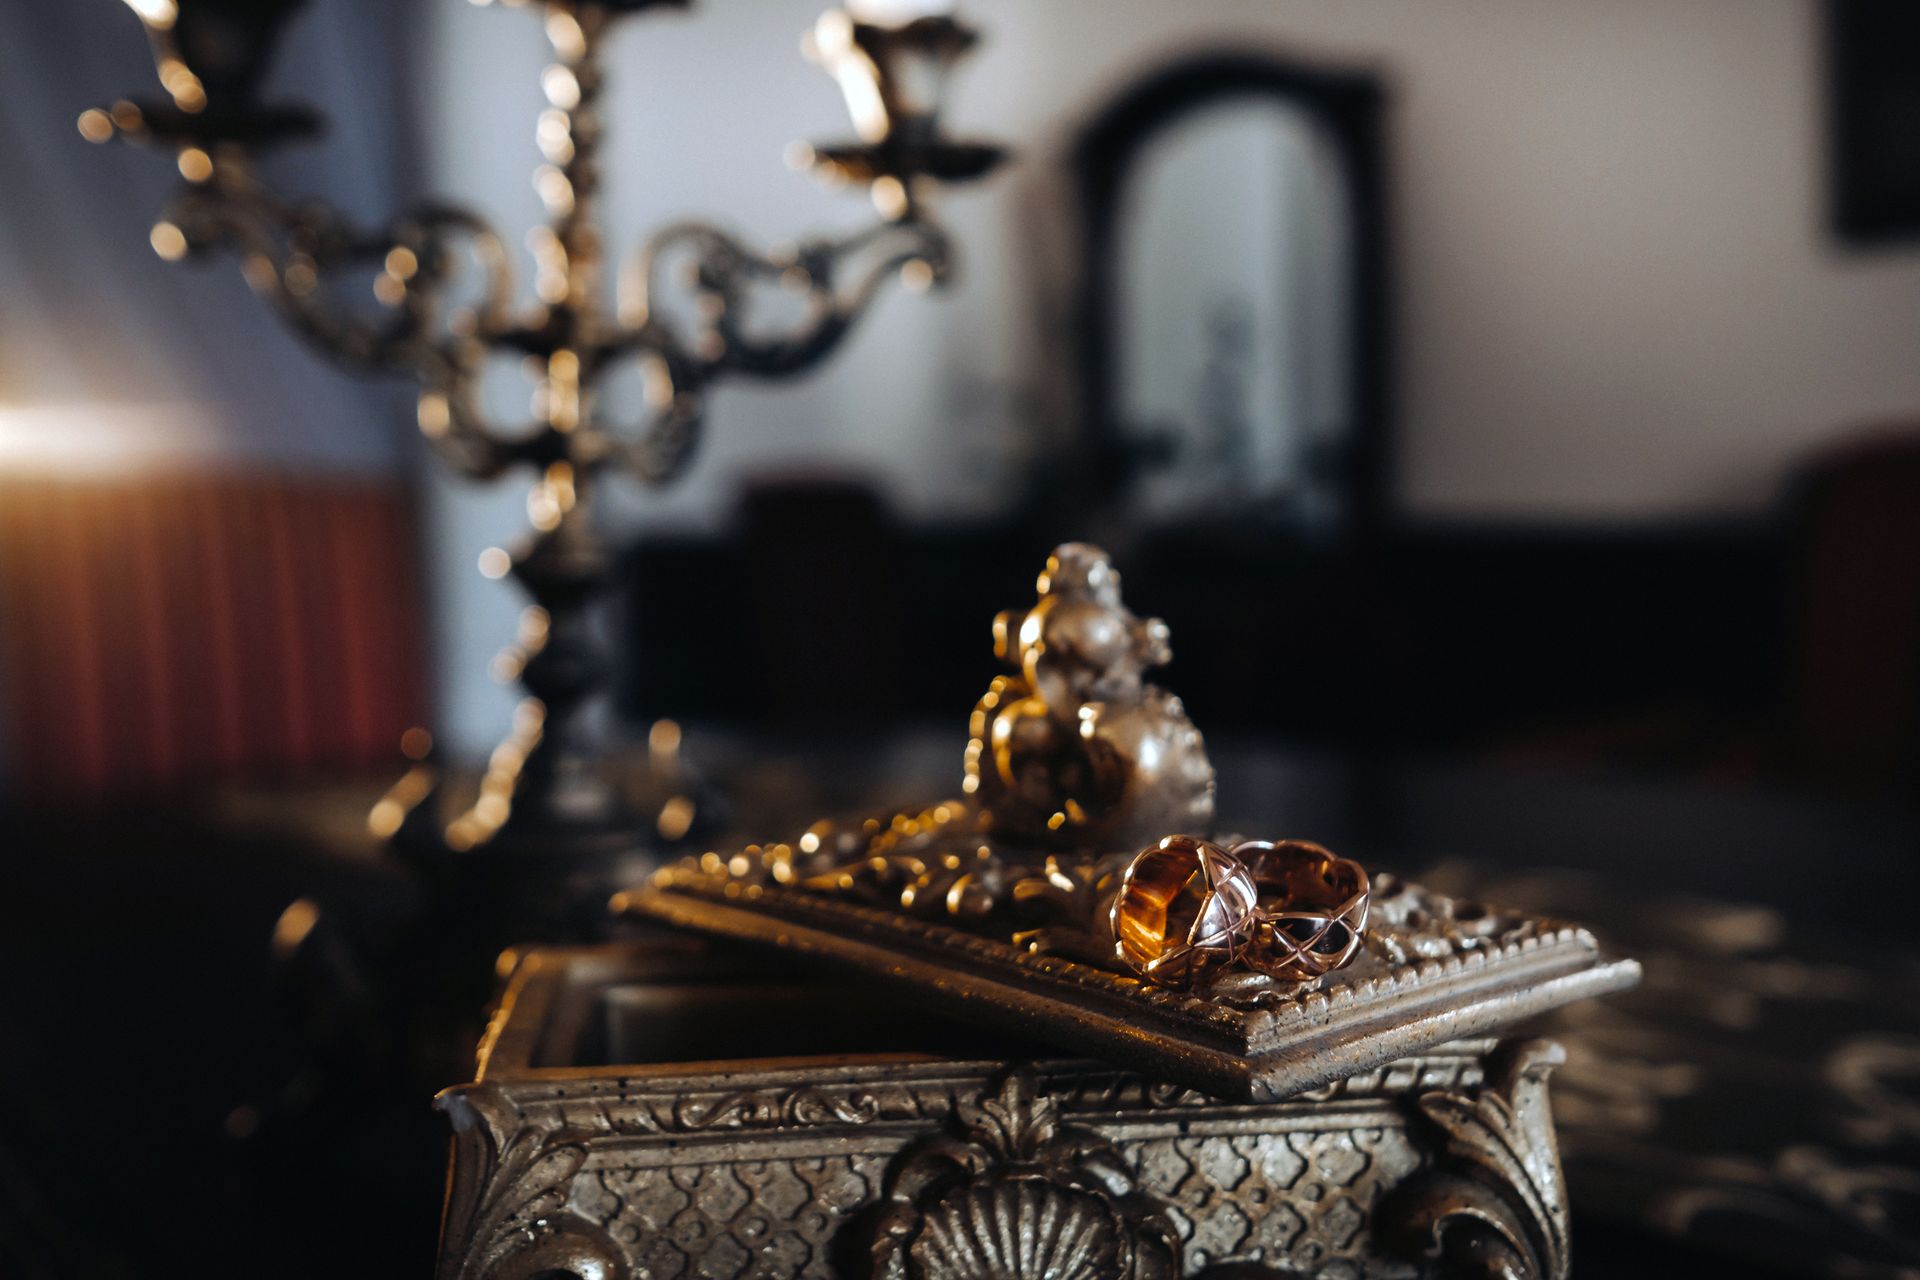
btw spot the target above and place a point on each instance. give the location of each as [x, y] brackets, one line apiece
[664, 1109]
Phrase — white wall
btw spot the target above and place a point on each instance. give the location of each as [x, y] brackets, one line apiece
[1615, 294]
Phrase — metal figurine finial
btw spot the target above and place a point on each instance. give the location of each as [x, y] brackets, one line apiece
[1069, 763]
[1078, 750]
[546, 781]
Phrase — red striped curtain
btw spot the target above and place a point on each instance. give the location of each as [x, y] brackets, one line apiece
[155, 630]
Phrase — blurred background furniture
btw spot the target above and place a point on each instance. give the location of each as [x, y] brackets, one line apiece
[1853, 683]
[164, 630]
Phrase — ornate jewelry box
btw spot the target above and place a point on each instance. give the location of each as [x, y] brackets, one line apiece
[662, 1109]
[923, 1108]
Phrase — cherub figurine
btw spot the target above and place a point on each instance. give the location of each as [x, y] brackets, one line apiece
[1078, 751]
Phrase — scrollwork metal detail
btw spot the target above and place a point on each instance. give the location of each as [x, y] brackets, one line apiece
[506, 1216]
[1495, 1204]
[756, 1109]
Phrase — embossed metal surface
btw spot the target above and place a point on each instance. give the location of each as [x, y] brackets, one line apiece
[896, 1165]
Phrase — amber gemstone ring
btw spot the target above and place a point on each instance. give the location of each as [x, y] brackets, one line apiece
[1311, 913]
[1184, 907]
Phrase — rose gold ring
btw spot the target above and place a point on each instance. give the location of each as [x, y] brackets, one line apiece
[1184, 907]
[1311, 909]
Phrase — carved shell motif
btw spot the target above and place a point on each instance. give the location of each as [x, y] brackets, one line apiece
[1018, 1229]
[1017, 1195]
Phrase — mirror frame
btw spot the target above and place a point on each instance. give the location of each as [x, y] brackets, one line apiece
[1350, 107]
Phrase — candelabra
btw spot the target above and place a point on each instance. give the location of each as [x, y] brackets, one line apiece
[433, 294]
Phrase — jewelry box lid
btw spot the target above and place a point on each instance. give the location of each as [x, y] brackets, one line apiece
[1434, 970]
[1082, 781]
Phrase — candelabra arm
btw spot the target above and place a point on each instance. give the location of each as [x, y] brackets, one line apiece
[838, 278]
[726, 271]
[302, 259]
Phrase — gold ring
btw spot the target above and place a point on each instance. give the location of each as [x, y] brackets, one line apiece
[1311, 910]
[1184, 907]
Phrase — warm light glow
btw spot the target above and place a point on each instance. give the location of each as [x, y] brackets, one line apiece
[656, 381]
[177, 78]
[676, 818]
[495, 563]
[169, 241]
[917, 275]
[158, 14]
[293, 926]
[301, 277]
[555, 191]
[195, 165]
[561, 87]
[564, 33]
[833, 47]
[529, 716]
[259, 272]
[107, 439]
[416, 743]
[435, 414]
[560, 480]
[402, 262]
[95, 125]
[409, 791]
[663, 739]
[385, 817]
[890, 197]
[554, 133]
[562, 401]
[552, 497]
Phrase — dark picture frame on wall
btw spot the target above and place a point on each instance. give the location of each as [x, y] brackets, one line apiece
[1873, 73]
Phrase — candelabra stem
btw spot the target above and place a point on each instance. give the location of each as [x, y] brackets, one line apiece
[548, 782]
[562, 781]
[570, 138]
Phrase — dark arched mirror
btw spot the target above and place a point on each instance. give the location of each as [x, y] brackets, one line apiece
[1232, 336]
